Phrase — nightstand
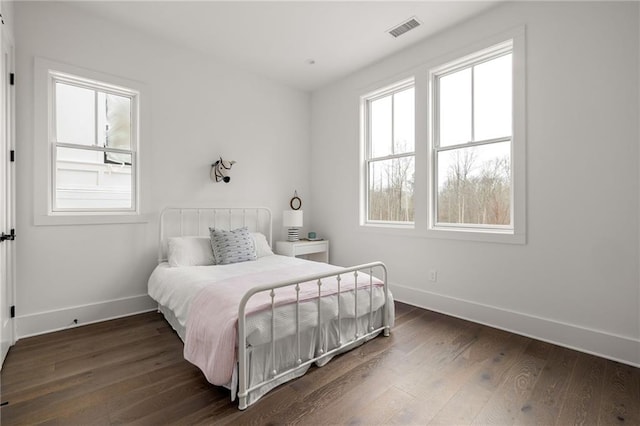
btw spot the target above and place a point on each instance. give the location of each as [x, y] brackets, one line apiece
[312, 250]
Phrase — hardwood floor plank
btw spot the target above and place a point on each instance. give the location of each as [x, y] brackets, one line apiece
[620, 396]
[70, 374]
[433, 369]
[317, 401]
[444, 342]
[464, 405]
[100, 386]
[403, 309]
[379, 409]
[491, 363]
[318, 377]
[272, 405]
[582, 405]
[86, 345]
[169, 398]
[129, 391]
[354, 397]
[508, 399]
[53, 341]
[550, 391]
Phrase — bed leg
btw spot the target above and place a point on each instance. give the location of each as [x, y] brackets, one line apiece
[242, 402]
[387, 331]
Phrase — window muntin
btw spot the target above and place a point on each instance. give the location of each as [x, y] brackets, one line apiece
[390, 154]
[472, 143]
[93, 134]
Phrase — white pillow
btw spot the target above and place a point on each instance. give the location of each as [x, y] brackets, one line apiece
[190, 251]
[262, 246]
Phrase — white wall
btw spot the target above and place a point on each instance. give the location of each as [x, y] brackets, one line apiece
[576, 280]
[6, 9]
[200, 109]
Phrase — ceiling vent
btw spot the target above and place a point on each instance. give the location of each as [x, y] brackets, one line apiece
[408, 25]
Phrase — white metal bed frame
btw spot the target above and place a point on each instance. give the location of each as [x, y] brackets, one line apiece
[256, 219]
[259, 220]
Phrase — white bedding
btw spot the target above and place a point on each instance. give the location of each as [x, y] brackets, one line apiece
[174, 288]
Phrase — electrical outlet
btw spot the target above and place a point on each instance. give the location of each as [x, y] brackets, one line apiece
[433, 275]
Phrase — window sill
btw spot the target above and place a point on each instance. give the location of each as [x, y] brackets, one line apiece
[447, 234]
[505, 237]
[89, 219]
[389, 225]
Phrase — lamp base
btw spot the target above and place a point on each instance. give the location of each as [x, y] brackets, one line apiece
[292, 234]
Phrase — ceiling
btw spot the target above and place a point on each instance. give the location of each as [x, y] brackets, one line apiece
[279, 39]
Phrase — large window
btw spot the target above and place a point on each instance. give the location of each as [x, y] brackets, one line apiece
[389, 145]
[472, 137]
[443, 150]
[93, 136]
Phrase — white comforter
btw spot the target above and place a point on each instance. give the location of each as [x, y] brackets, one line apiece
[175, 287]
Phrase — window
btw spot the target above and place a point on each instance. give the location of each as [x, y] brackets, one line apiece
[389, 145]
[87, 128]
[442, 152]
[93, 145]
[472, 143]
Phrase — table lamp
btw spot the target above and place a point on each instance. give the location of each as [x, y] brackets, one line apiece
[292, 219]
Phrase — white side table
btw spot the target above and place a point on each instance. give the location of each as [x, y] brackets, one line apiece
[312, 250]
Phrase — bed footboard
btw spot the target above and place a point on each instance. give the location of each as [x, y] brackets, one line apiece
[362, 284]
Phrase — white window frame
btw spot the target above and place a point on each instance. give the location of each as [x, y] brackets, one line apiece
[365, 152]
[46, 73]
[516, 232]
[58, 77]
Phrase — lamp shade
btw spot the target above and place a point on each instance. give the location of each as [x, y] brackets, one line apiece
[292, 218]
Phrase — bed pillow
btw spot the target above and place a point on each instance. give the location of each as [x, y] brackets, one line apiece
[190, 251]
[262, 246]
[232, 246]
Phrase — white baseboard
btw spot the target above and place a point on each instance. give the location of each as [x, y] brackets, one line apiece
[61, 319]
[617, 348]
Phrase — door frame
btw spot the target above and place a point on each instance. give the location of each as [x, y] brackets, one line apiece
[7, 168]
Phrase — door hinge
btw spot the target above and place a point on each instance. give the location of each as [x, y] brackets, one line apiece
[12, 79]
[12, 155]
[10, 236]
[12, 311]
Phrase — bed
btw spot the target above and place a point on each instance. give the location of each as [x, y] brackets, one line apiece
[257, 320]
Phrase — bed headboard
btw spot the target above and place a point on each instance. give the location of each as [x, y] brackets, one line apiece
[195, 222]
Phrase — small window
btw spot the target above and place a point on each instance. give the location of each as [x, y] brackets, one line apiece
[472, 143]
[389, 154]
[93, 139]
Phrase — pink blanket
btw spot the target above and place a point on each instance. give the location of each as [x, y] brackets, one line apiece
[211, 331]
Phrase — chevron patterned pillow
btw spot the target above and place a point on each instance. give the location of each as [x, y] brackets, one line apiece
[232, 246]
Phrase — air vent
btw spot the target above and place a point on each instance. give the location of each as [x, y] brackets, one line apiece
[408, 25]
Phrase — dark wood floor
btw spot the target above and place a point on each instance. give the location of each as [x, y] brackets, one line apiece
[433, 369]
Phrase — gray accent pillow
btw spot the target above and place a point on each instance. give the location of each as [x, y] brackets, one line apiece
[232, 246]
